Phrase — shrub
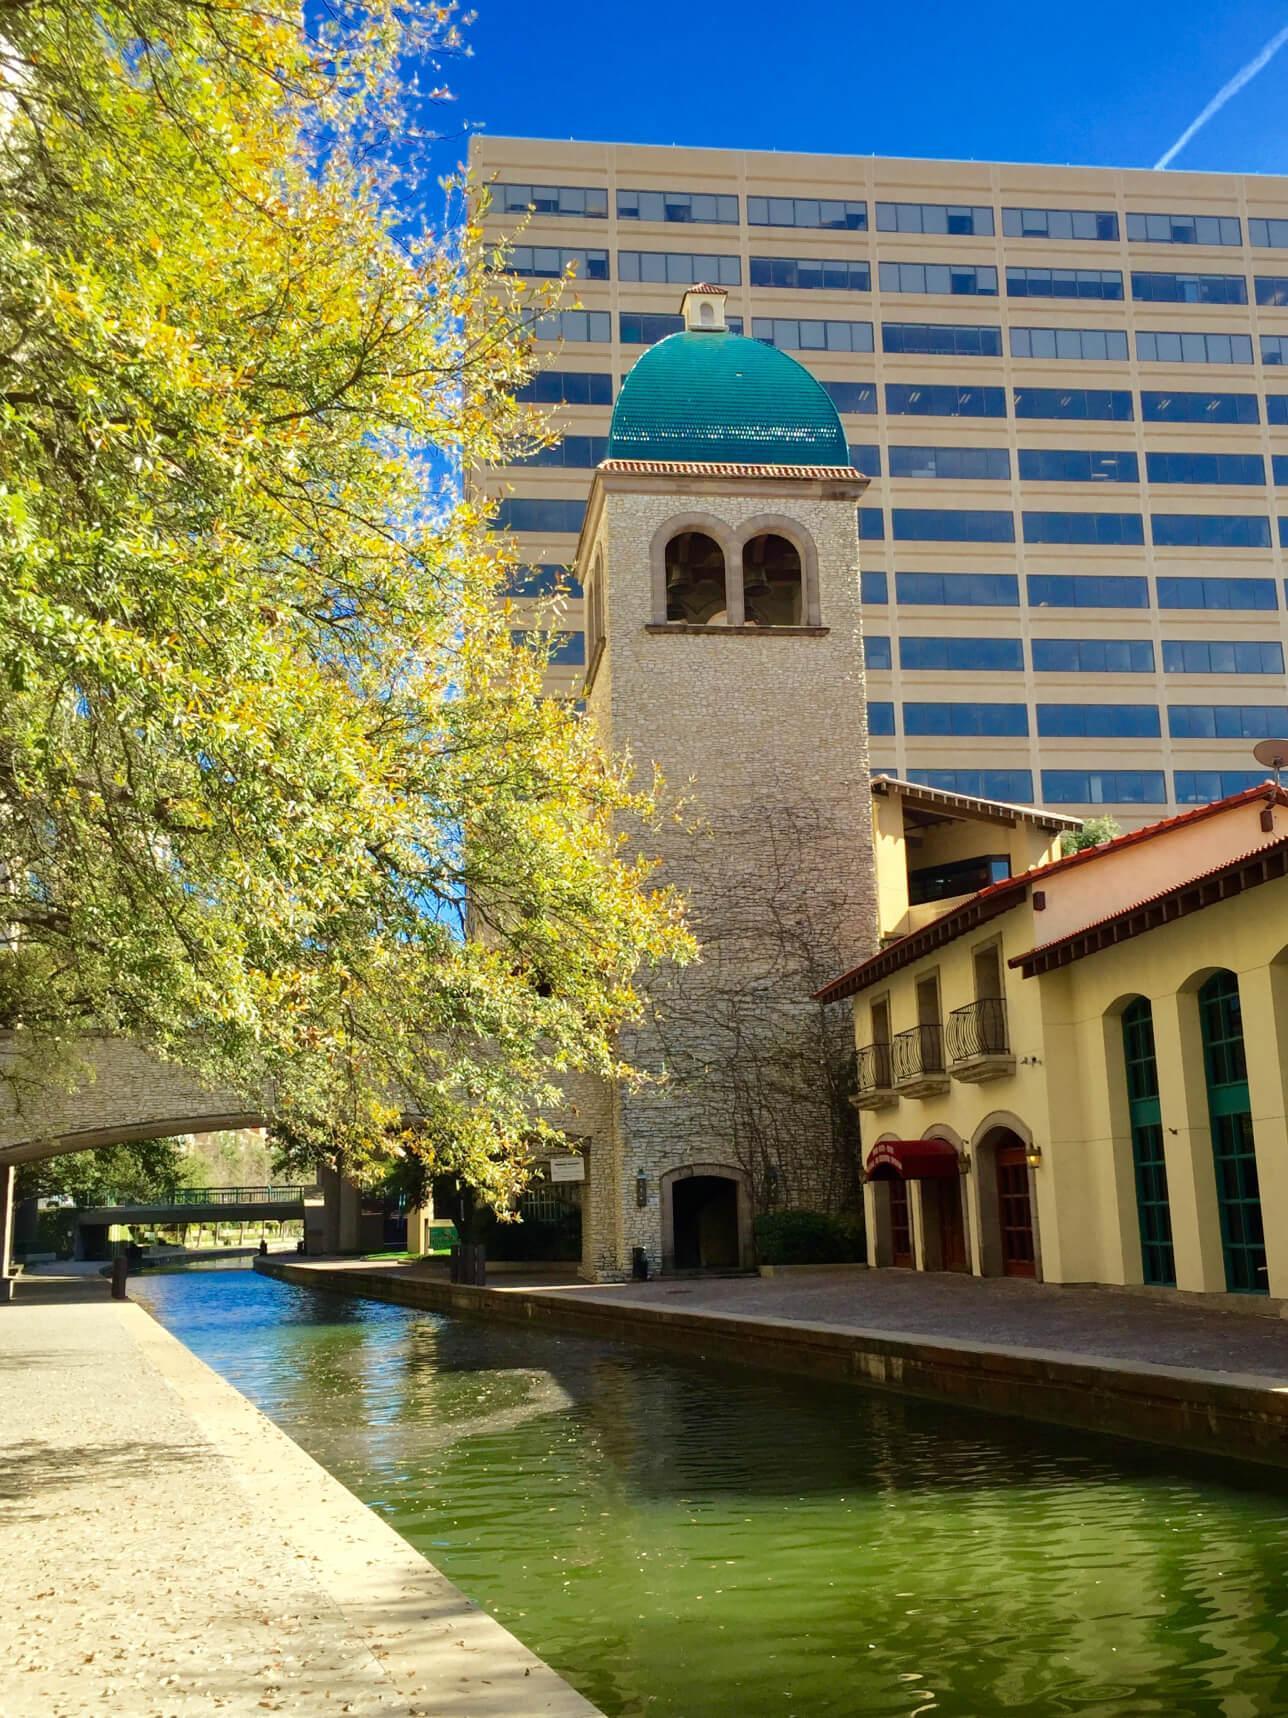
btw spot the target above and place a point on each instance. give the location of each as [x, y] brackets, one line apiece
[808, 1238]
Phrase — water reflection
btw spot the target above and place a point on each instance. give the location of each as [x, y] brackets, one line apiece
[687, 1541]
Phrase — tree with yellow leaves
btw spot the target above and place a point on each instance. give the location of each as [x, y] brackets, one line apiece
[265, 740]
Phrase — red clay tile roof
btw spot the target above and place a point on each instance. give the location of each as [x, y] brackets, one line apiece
[999, 897]
[706, 286]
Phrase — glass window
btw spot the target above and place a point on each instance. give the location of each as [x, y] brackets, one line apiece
[1093, 656]
[872, 588]
[1205, 468]
[1217, 593]
[866, 457]
[966, 718]
[1185, 229]
[808, 274]
[991, 655]
[1077, 465]
[949, 279]
[565, 649]
[1087, 590]
[880, 717]
[1110, 404]
[858, 397]
[794, 334]
[1095, 344]
[522, 513]
[1103, 283]
[1059, 224]
[574, 325]
[876, 651]
[952, 525]
[677, 206]
[1274, 348]
[1013, 786]
[1279, 464]
[964, 590]
[541, 580]
[949, 339]
[1156, 346]
[1272, 288]
[543, 262]
[567, 388]
[1098, 721]
[587, 200]
[1103, 528]
[1201, 787]
[957, 463]
[679, 268]
[1104, 787]
[871, 525]
[1227, 721]
[1189, 288]
[1198, 408]
[937, 400]
[841, 213]
[637, 329]
[1210, 530]
[1220, 656]
[580, 452]
[1276, 409]
[934, 218]
[1271, 235]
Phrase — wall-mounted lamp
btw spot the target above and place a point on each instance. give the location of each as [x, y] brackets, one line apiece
[1033, 1156]
[641, 1190]
[773, 1180]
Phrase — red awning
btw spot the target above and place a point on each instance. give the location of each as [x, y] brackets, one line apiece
[913, 1159]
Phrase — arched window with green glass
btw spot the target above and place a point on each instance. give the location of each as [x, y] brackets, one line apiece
[1238, 1191]
[1154, 1212]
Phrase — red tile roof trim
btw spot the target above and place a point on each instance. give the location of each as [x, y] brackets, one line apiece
[712, 291]
[1258, 865]
[703, 468]
[999, 897]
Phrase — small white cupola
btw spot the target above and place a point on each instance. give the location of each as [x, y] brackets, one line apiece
[703, 309]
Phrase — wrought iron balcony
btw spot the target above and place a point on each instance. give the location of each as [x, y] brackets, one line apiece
[978, 1042]
[919, 1060]
[874, 1084]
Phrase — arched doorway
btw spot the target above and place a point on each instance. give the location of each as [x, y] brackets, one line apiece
[706, 1219]
[1008, 1235]
[934, 1164]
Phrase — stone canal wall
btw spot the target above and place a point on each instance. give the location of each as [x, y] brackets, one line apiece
[1223, 1413]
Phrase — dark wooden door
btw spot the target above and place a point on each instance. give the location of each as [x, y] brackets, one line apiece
[952, 1230]
[1015, 1212]
[900, 1224]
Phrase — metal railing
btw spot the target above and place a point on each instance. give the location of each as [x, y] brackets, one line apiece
[978, 1029]
[919, 1050]
[873, 1069]
[291, 1193]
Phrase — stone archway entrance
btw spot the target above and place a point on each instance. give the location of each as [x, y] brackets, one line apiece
[706, 1219]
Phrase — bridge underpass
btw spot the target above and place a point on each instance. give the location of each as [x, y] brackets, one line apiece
[190, 1206]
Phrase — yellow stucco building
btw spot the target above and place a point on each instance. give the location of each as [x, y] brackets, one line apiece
[1074, 1068]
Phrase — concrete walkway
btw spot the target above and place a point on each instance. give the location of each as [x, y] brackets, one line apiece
[168, 1551]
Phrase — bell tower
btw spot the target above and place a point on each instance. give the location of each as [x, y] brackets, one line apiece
[724, 644]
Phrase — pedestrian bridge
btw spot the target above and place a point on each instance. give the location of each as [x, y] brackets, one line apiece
[208, 1205]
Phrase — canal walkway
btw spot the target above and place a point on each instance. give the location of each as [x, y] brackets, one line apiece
[1170, 1371]
[168, 1551]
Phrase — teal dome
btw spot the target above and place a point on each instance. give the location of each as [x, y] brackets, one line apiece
[714, 397]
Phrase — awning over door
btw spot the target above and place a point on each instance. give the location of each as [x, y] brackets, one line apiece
[913, 1159]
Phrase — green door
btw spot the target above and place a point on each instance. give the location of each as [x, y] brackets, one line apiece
[1238, 1192]
[1153, 1210]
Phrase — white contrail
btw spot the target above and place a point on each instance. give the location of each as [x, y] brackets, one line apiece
[1218, 101]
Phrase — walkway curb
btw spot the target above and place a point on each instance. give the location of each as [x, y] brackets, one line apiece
[1230, 1414]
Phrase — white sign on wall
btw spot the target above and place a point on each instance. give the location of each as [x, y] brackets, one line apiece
[567, 1168]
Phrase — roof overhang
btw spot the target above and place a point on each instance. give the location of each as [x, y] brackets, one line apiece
[913, 1160]
[966, 806]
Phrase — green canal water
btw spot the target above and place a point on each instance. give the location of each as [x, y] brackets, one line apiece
[684, 1541]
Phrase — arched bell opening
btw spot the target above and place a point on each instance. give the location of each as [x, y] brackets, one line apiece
[773, 586]
[695, 580]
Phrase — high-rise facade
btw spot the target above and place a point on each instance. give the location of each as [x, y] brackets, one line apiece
[1069, 388]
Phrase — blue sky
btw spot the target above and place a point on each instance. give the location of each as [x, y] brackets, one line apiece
[1104, 83]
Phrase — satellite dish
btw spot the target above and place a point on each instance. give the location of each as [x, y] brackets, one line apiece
[1272, 753]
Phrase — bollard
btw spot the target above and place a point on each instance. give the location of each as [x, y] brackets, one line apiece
[120, 1270]
[454, 1265]
[479, 1274]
